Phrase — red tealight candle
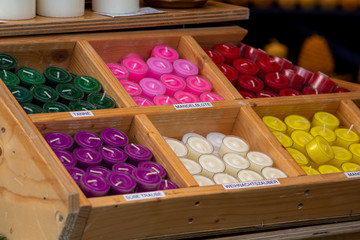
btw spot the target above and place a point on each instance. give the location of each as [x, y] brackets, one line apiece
[245, 66]
[284, 63]
[309, 91]
[276, 81]
[230, 73]
[265, 94]
[322, 83]
[229, 52]
[247, 95]
[289, 92]
[296, 81]
[241, 46]
[215, 56]
[267, 65]
[341, 89]
[252, 53]
[306, 74]
[249, 83]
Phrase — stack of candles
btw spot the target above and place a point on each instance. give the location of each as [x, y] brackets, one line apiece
[319, 145]
[54, 90]
[107, 164]
[221, 159]
[257, 74]
[163, 79]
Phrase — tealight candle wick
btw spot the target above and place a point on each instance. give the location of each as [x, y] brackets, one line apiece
[90, 156]
[151, 173]
[84, 109]
[86, 80]
[187, 67]
[5, 73]
[78, 174]
[152, 85]
[210, 97]
[54, 108]
[57, 74]
[277, 75]
[264, 94]
[166, 49]
[66, 159]
[198, 79]
[166, 183]
[302, 121]
[337, 151]
[47, 94]
[15, 92]
[184, 98]
[107, 149]
[325, 117]
[54, 140]
[300, 157]
[135, 64]
[227, 47]
[66, 90]
[92, 181]
[137, 148]
[155, 169]
[7, 60]
[309, 169]
[143, 102]
[123, 169]
[162, 64]
[252, 83]
[27, 72]
[94, 138]
[350, 129]
[325, 148]
[94, 171]
[280, 135]
[118, 183]
[330, 171]
[167, 99]
[357, 168]
[103, 96]
[316, 91]
[29, 109]
[133, 87]
[117, 70]
[170, 80]
[276, 120]
[306, 139]
[224, 68]
[243, 64]
[118, 136]
[324, 128]
[211, 54]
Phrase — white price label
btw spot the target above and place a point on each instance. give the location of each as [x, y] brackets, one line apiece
[261, 183]
[352, 174]
[145, 195]
[82, 114]
[192, 105]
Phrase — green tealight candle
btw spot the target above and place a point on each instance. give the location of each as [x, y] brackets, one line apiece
[101, 100]
[73, 76]
[81, 105]
[8, 62]
[29, 77]
[31, 108]
[56, 75]
[87, 84]
[68, 93]
[9, 78]
[43, 94]
[22, 95]
[52, 107]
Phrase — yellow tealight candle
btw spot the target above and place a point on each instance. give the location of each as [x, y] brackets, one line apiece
[274, 124]
[284, 139]
[341, 155]
[355, 150]
[319, 150]
[297, 122]
[310, 170]
[321, 118]
[345, 137]
[299, 157]
[301, 139]
[325, 132]
[350, 167]
[326, 168]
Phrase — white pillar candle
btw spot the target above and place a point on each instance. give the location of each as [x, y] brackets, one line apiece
[198, 146]
[234, 163]
[259, 160]
[17, 9]
[177, 146]
[271, 173]
[187, 135]
[234, 144]
[216, 139]
[115, 6]
[60, 8]
[203, 181]
[211, 164]
[193, 167]
[247, 175]
[224, 178]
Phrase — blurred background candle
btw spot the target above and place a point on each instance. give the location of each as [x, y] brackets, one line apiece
[17, 10]
[115, 6]
[63, 8]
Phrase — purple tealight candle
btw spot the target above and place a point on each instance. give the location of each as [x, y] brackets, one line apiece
[87, 139]
[119, 71]
[58, 140]
[112, 155]
[124, 167]
[94, 185]
[185, 68]
[151, 87]
[76, 173]
[137, 154]
[114, 137]
[154, 167]
[87, 157]
[121, 183]
[65, 157]
[158, 66]
[197, 85]
[102, 171]
[166, 185]
[172, 83]
[146, 179]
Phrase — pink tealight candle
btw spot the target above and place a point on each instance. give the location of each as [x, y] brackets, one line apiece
[322, 83]
[136, 67]
[119, 71]
[296, 81]
[276, 81]
[133, 55]
[197, 85]
[245, 66]
[151, 87]
[210, 97]
[265, 94]
[247, 95]
[158, 66]
[306, 74]
[267, 65]
[165, 52]
[185, 68]
[172, 83]
[289, 92]
[186, 97]
[143, 102]
[164, 100]
[230, 72]
[249, 83]
[229, 52]
[252, 53]
[215, 56]
[131, 87]
[309, 91]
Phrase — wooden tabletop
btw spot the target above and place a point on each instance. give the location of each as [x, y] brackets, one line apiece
[212, 12]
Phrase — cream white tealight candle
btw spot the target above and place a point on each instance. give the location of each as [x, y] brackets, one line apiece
[247, 175]
[224, 178]
[198, 146]
[115, 6]
[211, 164]
[187, 135]
[234, 144]
[17, 10]
[193, 167]
[259, 160]
[177, 146]
[272, 173]
[203, 181]
[60, 8]
[234, 162]
[216, 139]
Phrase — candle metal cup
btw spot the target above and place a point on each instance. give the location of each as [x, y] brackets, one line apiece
[21, 94]
[75, 173]
[326, 169]
[215, 56]
[121, 183]
[54, 107]
[30, 77]
[66, 157]
[111, 156]
[203, 181]
[9, 78]
[248, 175]
[345, 137]
[43, 94]
[273, 173]
[234, 163]
[298, 156]
[101, 100]
[230, 72]
[56, 75]
[59, 140]
[192, 166]
[87, 157]
[211, 165]
[341, 155]
[258, 161]
[94, 185]
[198, 146]
[319, 150]
[355, 150]
[321, 118]
[301, 139]
[31, 108]
[224, 178]
[81, 105]
[114, 137]
[234, 144]
[69, 93]
[146, 179]
[178, 147]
